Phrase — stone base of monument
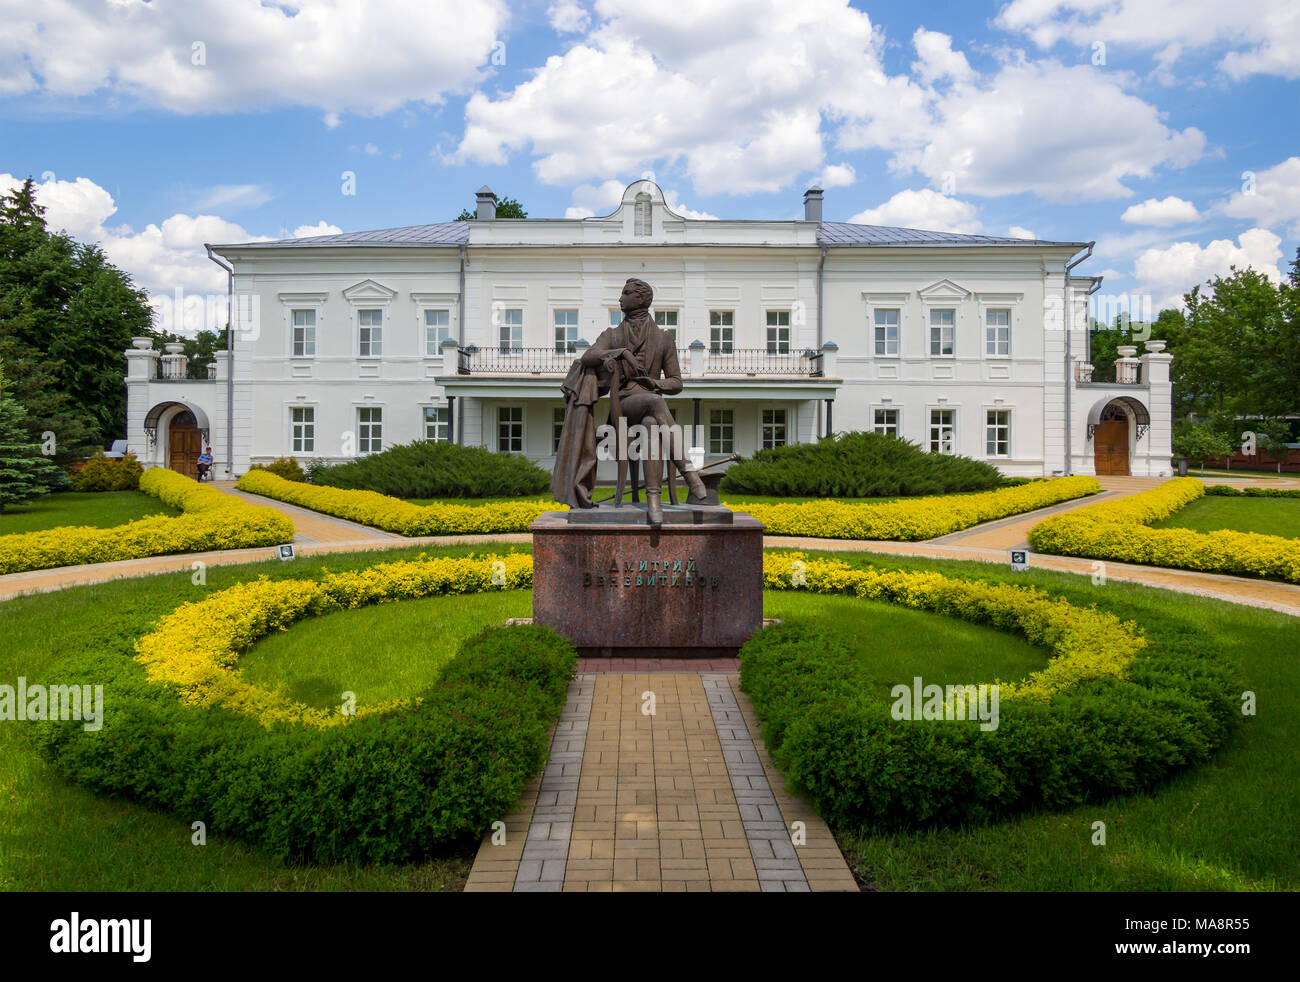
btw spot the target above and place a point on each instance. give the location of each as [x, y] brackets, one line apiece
[618, 588]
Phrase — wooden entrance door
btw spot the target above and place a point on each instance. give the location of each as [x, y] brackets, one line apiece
[1110, 444]
[184, 446]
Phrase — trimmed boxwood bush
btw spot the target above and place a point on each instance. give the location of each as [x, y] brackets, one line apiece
[383, 788]
[102, 473]
[285, 467]
[426, 469]
[828, 725]
[1227, 491]
[857, 465]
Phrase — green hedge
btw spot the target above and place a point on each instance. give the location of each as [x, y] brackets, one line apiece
[857, 465]
[828, 725]
[435, 470]
[1226, 491]
[101, 473]
[383, 788]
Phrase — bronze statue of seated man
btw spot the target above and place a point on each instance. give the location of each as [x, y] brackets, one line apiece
[643, 358]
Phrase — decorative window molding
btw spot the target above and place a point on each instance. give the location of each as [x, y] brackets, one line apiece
[369, 295]
[291, 301]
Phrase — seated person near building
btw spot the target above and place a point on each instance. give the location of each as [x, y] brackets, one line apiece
[205, 463]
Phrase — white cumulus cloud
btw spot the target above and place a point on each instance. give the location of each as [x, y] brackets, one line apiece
[924, 209]
[1166, 274]
[320, 228]
[1272, 199]
[1171, 210]
[568, 17]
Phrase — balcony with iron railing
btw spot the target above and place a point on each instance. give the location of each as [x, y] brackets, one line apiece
[695, 362]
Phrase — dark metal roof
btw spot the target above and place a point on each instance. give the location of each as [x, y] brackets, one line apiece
[438, 234]
[828, 233]
[844, 233]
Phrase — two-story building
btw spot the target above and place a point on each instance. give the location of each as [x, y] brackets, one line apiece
[787, 330]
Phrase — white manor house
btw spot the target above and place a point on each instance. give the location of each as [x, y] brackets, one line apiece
[787, 330]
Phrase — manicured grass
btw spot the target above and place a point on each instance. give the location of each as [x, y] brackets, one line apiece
[897, 643]
[56, 836]
[383, 652]
[1268, 516]
[1226, 825]
[100, 509]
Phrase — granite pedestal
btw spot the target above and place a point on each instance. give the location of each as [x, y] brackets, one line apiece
[618, 588]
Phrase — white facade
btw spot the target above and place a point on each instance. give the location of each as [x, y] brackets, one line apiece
[349, 343]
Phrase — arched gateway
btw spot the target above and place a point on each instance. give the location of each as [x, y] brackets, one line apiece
[177, 432]
[1115, 427]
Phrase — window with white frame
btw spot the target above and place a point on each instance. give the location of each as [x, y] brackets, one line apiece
[437, 329]
[304, 333]
[302, 422]
[942, 431]
[510, 429]
[997, 433]
[370, 429]
[773, 434]
[566, 331]
[437, 424]
[997, 332]
[886, 332]
[943, 333]
[721, 331]
[722, 431]
[557, 427]
[778, 332]
[510, 332]
[371, 325]
[615, 318]
[885, 422]
[667, 319]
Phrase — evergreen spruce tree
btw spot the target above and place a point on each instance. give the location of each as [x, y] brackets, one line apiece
[25, 472]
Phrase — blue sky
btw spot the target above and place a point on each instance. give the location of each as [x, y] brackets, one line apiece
[1164, 129]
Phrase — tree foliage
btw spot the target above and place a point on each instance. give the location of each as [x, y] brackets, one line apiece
[506, 208]
[25, 471]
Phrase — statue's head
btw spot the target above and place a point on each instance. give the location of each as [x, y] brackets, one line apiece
[637, 295]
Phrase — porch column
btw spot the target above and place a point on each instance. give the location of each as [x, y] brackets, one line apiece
[829, 426]
[451, 419]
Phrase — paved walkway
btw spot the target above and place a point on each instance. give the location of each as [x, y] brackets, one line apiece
[657, 783]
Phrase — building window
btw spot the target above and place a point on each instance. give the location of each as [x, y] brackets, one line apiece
[885, 422]
[997, 433]
[667, 319]
[303, 422]
[722, 431]
[941, 431]
[942, 333]
[511, 331]
[510, 429]
[615, 318]
[566, 331]
[644, 222]
[557, 427]
[773, 428]
[370, 429]
[886, 330]
[437, 329]
[304, 333]
[721, 331]
[437, 421]
[778, 332]
[997, 332]
[372, 332]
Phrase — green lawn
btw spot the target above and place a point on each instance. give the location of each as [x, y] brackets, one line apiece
[101, 509]
[383, 652]
[1227, 825]
[1268, 516]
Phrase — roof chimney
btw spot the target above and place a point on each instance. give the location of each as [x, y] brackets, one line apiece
[812, 205]
[487, 204]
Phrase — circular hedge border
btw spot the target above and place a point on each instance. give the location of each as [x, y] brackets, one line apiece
[1098, 722]
[389, 786]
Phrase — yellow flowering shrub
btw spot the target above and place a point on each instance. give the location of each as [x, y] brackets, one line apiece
[210, 521]
[1086, 643]
[914, 519]
[196, 647]
[394, 514]
[1120, 531]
